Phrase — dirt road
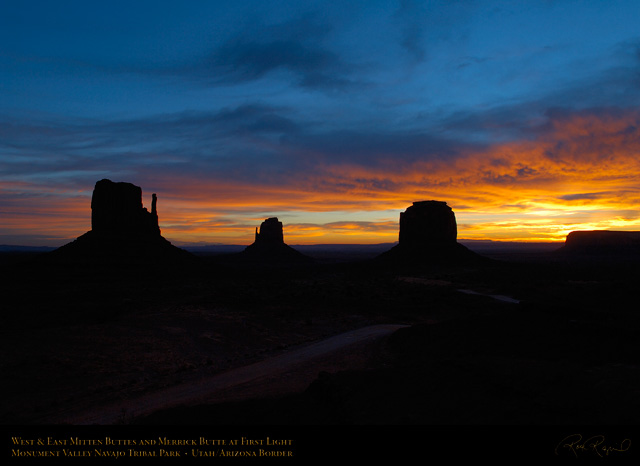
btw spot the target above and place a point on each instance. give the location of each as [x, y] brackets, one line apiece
[291, 371]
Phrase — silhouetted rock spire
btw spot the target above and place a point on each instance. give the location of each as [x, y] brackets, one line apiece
[122, 231]
[269, 247]
[117, 207]
[270, 232]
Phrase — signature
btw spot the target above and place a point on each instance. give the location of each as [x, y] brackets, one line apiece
[592, 445]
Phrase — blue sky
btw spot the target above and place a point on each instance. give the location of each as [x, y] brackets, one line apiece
[322, 113]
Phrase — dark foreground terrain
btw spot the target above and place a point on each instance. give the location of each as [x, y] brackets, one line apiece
[531, 338]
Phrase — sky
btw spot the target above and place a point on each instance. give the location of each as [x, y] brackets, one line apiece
[524, 116]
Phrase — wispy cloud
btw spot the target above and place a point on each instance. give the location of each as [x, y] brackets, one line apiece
[340, 109]
[571, 162]
[296, 50]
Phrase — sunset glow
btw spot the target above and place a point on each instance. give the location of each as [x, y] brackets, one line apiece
[526, 138]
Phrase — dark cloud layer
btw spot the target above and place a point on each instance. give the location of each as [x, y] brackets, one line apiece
[270, 144]
[296, 47]
[321, 106]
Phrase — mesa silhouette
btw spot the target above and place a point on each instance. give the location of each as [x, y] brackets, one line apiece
[269, 247]
[428, 235]
[598, 243]
[122, 231]
[125, 232]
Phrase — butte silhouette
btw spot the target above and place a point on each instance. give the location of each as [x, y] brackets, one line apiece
[428, 235]
[122, 231]
[269, 246]
[601, 243]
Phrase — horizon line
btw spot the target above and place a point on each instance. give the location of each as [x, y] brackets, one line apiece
[183, 244]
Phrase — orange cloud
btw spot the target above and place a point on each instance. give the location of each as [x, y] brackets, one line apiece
[580, 171]
[54, 215]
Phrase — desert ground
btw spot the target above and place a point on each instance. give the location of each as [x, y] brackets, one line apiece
[528, 338]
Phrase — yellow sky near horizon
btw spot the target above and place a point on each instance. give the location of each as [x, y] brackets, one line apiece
[583, 173]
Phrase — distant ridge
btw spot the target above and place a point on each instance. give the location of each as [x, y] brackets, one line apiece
[602, 243]
[378, 248]
[17, 248]
[319, 248]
